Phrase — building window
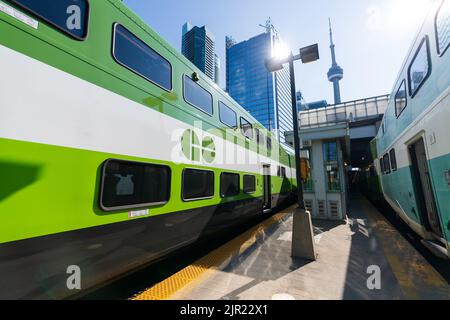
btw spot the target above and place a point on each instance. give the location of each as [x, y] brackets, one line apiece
[330, 156]
[420, 68]
[330, 151]
[198, 184]
[249, 184]
[135, 55]
[246, 128]
[308, 184]
[442, 25]
[69, 16]
[387, 165]
[229, 184]
[227, 115]
[197, 96]
[393, 160]
[400, 99]
[127, 184]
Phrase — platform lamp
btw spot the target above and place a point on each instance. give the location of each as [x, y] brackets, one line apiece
[303, 246]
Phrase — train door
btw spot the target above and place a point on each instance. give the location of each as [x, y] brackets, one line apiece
[267, 188]
[424, 189]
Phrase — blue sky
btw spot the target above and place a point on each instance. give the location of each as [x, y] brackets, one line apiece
[372, 37]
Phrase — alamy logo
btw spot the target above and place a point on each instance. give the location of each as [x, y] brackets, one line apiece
[195, 149]
[74, 280]
[374, 280]
[73, 22]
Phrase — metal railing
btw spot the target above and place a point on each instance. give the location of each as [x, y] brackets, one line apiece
[350, 111]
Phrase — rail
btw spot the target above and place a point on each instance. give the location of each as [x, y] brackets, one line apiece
[350, 111]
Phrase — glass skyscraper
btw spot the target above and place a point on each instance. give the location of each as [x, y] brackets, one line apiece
[267, 96]
[198, 45]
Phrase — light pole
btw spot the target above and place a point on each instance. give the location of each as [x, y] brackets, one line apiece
[302, 230]
[307, 54]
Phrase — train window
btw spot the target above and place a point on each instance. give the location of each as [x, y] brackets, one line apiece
[269, 143]
[69, 16]
[127, 184]
[197, 184]
[229, 184]
[227, 115]
[387, 165]
[246, 128]
[420, 67]
[197, 96]
[249, 184]
[133, 54]
[400, 99]
[442, 25]
[381, 165]
[283, 172]
[260, 137]
[393, 160]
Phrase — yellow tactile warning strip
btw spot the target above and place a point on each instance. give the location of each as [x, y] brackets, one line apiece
[216, 260]
[417, 278]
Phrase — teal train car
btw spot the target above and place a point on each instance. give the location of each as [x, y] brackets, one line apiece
[413, 143]
[115, 150]
[369, 180]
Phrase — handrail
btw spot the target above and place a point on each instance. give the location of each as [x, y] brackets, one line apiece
[350, 111]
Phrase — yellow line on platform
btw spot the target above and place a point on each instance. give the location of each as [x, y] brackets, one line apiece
[216, 260]
[417, 278]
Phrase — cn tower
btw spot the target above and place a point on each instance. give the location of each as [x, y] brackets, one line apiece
[336, 73]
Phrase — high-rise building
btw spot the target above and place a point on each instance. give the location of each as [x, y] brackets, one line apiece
[266, 95]
[336, 73]
[198, 45]
[217, 69]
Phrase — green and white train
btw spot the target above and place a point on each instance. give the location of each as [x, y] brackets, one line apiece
[114, 149]
[413, 143]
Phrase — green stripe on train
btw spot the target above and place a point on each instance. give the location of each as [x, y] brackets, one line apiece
[54, 189]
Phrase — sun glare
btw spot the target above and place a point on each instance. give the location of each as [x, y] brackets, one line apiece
[280, 50]
[406, 14]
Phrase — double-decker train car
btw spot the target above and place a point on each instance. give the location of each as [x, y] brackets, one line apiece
[413, 143]
[115, 150]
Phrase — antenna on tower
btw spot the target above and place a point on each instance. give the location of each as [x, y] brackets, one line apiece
[331, 31]
[269, 26]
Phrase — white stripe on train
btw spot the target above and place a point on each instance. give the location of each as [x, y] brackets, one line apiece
[42, 104]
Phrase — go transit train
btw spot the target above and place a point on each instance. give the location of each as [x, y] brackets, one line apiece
[115, 150]
[413, 143]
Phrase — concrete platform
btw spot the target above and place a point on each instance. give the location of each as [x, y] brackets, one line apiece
[258, 266]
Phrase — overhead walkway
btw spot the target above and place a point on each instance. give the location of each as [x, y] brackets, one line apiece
[335, 139]
[258, 264]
